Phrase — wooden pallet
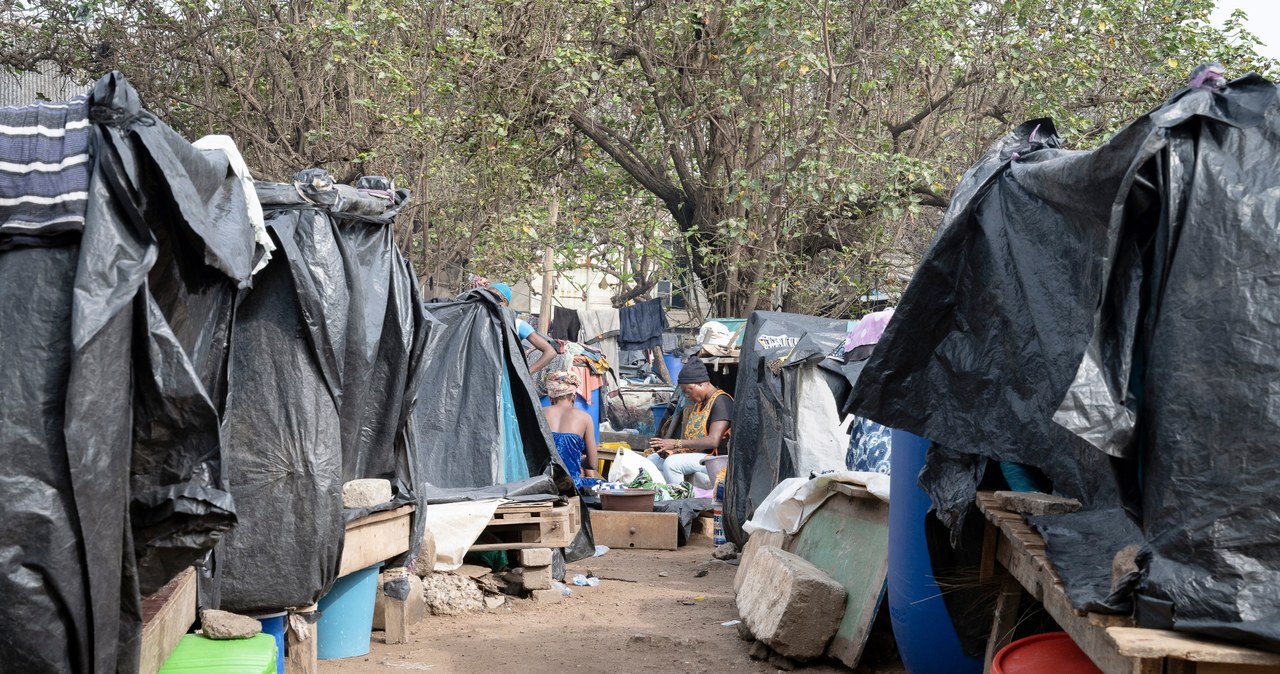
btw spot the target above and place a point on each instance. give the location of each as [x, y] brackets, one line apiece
[532, 525]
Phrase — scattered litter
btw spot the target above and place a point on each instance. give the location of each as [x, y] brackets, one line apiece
[407, 665]
[663, 574]
[494, 601]
[585, 581]
[600, 550]
[731, 623]
[700, 598]
[564, 589]
[688, 602]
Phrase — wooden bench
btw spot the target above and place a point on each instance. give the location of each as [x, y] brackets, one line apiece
[1014, 554]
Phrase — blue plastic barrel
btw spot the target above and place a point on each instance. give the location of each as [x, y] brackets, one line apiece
[922, 627]
[659, 413]
[674, 366]
[273, 624]
[346, 615]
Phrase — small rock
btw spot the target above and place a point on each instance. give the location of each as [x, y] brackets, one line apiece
[495, 601]
[701, 573]
[1035, 503]
[725, 551]
[688, 602]
[744, 632]
[222, 625]
[663, 574]
[759, 651]
[365, 493]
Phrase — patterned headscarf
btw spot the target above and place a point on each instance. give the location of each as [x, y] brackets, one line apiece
[560, 384]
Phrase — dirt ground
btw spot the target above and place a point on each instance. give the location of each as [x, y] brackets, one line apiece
[634, 621]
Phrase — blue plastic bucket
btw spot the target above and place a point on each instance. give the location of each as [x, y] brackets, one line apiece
[659, 413]
[273, 624]
[674, 366]
[346, 615]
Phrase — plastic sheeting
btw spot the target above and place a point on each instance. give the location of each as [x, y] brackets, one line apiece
[1126, 292]
[111, 479]
[458, 423]
[766, 445]
[327, 353]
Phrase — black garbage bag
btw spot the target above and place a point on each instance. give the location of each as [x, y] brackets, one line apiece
[120, 484]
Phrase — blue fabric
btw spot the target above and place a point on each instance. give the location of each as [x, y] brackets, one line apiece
[869, 447]
[571, 446]
[523, 329]
[514, 466]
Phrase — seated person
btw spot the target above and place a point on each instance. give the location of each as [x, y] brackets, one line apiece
[704, 429]
[572, 429]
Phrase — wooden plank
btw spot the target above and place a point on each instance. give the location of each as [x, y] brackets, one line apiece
[373, 539]
[847, 537]
[1219, 668]
[1140, 642]
[640, 531]
[395, 617]
[167, 616]
[300, 642]
[542, 507]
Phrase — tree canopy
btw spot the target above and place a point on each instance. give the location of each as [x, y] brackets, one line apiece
[780, 150]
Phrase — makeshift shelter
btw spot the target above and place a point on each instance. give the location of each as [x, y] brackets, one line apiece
[326, 356]
[1120, 300]
[478, 420]
[786, 414]
[112, 470]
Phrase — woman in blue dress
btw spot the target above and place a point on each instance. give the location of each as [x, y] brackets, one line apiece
[571, 428]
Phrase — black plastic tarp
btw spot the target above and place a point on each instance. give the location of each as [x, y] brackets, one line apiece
[327, 351]
[763, 448]
[458, 421]
[1128, 292]
[111, 479]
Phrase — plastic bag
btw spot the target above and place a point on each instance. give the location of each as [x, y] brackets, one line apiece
[628, 464]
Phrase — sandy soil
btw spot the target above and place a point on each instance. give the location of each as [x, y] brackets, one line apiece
[634, 621]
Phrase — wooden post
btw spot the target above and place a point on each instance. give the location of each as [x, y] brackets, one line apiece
[300, 642]
[549, 266]
[660, 365]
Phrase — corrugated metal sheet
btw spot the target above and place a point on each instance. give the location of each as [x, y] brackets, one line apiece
[42, 84]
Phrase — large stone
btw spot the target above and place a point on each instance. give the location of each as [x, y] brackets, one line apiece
[449, 594]
[725, 551]
[366, 493]
[222, 625]
[790, 604]
[534, 557]
[536, 578]
[759, 539]
[425, 564]
[1035, 503]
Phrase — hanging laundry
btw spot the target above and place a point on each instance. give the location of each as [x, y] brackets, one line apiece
[641, 326]
[565, 324]
[600, 329]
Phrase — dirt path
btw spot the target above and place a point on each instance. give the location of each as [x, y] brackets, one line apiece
[634, 621]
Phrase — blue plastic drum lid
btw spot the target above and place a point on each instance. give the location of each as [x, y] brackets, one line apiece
[346, 615]
[922, 627]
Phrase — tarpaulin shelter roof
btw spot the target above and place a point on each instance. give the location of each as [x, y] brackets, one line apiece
[1120, 299]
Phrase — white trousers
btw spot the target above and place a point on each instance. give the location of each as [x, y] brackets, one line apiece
[676, 468]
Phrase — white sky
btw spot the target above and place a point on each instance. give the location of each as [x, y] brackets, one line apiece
[1264, 21]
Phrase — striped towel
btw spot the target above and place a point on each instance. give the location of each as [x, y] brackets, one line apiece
[44, 169]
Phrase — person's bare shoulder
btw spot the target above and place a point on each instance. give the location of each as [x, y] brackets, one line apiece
[582, 420]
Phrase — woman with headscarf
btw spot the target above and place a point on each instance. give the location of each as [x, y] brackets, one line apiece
[572, 429]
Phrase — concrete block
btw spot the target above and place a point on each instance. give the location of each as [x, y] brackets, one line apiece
[365, 493]
[534, 557]
[546, 596]
[790, 604]
[415, 604]
[536, 578]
